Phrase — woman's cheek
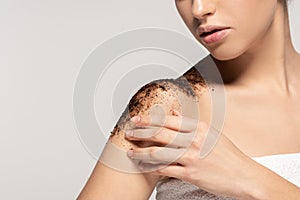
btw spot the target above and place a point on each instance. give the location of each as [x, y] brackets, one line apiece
[229, 49]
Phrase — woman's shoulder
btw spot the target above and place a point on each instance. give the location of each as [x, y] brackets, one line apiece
[163, 92]
[169, 94]
[194, 78]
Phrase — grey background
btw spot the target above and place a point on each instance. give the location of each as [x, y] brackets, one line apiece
[42, 47]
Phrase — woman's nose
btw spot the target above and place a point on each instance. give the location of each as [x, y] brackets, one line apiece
[203, 8]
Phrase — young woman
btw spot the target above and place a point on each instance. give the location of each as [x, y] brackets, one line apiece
[250, 43]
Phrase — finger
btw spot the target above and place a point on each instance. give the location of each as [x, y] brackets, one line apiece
[177, 123]
[156, 154]
[166, 137]
[153, 168]
[175, 171]
[150, 167]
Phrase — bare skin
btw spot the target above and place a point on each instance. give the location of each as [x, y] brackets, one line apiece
[275, 130]
[104, 179]
[260, 75]
[266, 73]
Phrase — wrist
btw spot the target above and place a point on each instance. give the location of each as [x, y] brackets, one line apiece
[262, 183]
[256, 183]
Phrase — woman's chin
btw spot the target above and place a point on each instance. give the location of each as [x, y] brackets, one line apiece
[223, 55]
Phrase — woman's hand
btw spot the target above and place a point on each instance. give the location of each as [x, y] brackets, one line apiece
[224, 171]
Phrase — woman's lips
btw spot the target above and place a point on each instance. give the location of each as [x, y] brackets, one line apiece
[214, 36]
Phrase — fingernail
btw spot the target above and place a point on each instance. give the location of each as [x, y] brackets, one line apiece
[135, 119]
[129, 133]
[130, 153]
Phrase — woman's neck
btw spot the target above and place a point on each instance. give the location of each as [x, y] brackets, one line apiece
[271, 62]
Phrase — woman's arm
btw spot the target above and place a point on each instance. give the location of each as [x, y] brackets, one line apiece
[269, 185]
[107, 183]
[224, 171]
